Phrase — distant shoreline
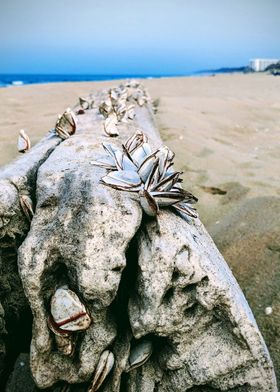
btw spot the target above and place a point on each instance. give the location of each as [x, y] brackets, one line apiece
[7, 80]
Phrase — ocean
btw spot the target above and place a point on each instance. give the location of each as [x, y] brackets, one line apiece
[21, 79]
[7, 80]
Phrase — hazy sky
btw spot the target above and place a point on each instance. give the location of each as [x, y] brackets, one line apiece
[136, 37]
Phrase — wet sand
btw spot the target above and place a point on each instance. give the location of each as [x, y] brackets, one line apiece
[225, 131]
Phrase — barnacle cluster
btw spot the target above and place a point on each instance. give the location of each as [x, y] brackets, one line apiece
[137, 92]
[69, 316]
[119, 107]
[136, 168]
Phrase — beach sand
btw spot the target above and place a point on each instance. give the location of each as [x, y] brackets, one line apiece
[225, 131]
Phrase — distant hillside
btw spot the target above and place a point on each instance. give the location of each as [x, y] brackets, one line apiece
[225, 70]
[274, 69]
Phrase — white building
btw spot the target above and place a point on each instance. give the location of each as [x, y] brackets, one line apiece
[258, 65]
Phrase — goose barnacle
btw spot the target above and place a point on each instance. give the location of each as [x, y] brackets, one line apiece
[68, 313]
[66, 124]
[110, 125]
[23, 141]
[139, 355]
[137, 169]
[27, 206]
[105, 108]
[103, 368]
[84, 103]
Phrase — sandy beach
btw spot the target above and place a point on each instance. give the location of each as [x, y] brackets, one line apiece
[224, 130]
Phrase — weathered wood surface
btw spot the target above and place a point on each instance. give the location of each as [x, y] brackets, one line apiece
[159, 279]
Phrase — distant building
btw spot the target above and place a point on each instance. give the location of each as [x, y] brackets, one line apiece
[258, 65]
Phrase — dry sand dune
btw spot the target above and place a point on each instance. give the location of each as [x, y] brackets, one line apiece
[225, 131]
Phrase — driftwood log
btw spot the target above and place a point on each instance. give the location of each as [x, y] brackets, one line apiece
[160, 280]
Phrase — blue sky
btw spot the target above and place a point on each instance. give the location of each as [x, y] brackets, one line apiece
[135, 37]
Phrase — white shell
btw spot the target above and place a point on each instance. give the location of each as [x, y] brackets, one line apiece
[167, 198]
[132, 83]
[186, 209]
[110, 125]
[64, 344]
[106, 162]
[136, 141]
[122, 179]
[141, 100]
[147, 166]
[139, 355]
[23, 141]
[106, 107]
[66, 124]
[141, 153]
[68, 312]
[113, 93]
[84, 103]
[121, 108]
[130, 112]
[27, 206]
[103, 368]
[148, 203]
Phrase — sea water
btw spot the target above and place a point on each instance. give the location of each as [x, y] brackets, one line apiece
[22, 79]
